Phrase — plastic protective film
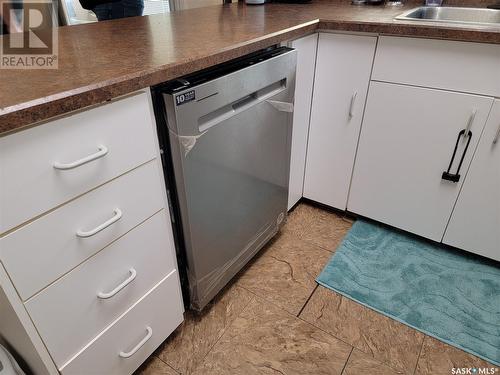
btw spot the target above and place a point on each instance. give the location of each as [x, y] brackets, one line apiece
[187, 142]
[210, 285]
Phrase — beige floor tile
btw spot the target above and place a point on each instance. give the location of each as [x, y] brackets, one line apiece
[191, 342]
[387, 340]
[267, 340]
[319, 227]
[362, 363]
[285, 272]
[155, 366]
[439, 358]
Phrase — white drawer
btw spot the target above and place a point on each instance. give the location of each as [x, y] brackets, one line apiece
[458, 66]
[31, 185]
[161, 310]
[70, 312]
[42, 251]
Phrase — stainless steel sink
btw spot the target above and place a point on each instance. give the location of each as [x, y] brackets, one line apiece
[477, 16]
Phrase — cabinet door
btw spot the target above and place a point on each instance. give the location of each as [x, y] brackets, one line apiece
[406, 143]
[306, 61]
[342, 75]
[475, 223]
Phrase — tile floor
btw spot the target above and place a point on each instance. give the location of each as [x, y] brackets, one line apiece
[275, 319]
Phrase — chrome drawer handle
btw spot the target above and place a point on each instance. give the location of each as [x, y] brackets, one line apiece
[497, 135]
[133, 274]
[351, 106]
[117, 216]
[469, 123]
[139, 345]
[103, 150]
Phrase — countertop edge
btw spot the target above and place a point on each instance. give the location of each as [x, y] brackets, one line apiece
[26, 115]
[407, 29]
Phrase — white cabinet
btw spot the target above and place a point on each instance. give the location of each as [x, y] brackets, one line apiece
[406, 143]
[86, 242]
[48, 165]
[306, 61]
[475, 223]
[342, 75]
[138, 195]
[102, 288]
[132, 338]
[443, 64]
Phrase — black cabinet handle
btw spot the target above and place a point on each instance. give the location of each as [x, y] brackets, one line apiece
[455, 177]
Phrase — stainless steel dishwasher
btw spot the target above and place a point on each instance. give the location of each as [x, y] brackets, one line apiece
[226, 133]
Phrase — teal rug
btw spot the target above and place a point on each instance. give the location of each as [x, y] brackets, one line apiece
[447, 294]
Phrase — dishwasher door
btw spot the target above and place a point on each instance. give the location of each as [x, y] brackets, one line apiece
[231, 155]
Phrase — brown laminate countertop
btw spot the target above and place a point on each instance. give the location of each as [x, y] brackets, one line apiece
[104, 60]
